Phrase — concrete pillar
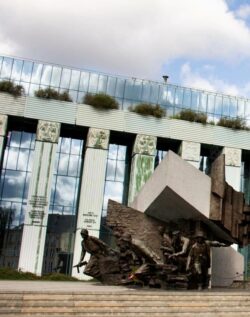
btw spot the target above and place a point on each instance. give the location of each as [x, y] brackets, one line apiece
[190, 152]
[3, 130]
[92, 189]
[36, 217]
[233, 167]
[142, 166]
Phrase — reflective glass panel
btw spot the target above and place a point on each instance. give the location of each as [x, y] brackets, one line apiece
[60, 236]
[154, 93]
[6, 67]
[56, 76]
[93, 83]
[75, 78]
[240, 109]
[15, 178]
[16, 70]
[120, 87]
[187, 98]
[46, 75]
[111, 86]
[65, 79]
[36, 73]
[116, 176]
[102, 83]
[220, 104]
[26, 71]
[179, 96]
[84, 81]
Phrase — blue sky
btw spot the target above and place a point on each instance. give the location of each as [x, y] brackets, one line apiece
[198, 43]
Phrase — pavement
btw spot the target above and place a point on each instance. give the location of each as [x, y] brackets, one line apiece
[86, 286]
[51, 286]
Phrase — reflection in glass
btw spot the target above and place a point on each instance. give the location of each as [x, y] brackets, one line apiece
[65, 79]
[116, 176]
[93, 83]
[102, 83]
[84, 81]
[46, 75]
[6, 67]
[36, 73]
[15, 178]
[128, 91]
[75, 77]
[111, 86]
[60, 235]
[26, 71]
[16, 70]
[56, 76]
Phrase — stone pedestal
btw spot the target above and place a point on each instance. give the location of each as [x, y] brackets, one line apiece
[36, 217]
[142, 166]
[92, 189]
[190, 152]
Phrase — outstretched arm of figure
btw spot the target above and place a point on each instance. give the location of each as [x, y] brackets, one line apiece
[184, 248]
[217, 244]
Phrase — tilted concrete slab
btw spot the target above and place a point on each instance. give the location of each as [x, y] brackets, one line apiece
[177, 190]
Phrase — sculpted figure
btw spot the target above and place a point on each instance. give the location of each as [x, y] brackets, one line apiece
[97, 249]
[198, 261]
[180, 246]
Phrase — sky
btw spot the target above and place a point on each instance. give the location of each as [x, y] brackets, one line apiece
[198, 43]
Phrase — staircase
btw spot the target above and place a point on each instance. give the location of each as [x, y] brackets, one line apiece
[128, 303]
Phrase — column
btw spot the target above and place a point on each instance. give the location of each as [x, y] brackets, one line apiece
[142, 167]
[190, 152]
[233, 167]
[36, 217]
[3, 130]
[92, 189]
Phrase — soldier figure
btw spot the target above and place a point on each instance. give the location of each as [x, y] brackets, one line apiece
[97, 249]
[198, 261]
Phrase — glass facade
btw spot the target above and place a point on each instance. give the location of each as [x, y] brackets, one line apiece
[116, 180]
[15, 178]
[128, 91]
[60, 236]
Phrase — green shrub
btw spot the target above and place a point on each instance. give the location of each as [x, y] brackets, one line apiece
[11, 274]
[147, 109]
[192, 116]
[233, 123]
[101, 101]
[50, 93]
[58, 277]
[11, 88]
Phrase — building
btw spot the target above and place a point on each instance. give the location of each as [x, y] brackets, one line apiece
[61, 161]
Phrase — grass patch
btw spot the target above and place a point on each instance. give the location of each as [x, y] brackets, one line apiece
[101, 101]
[146, 109]
[11, 274]
[11, 88]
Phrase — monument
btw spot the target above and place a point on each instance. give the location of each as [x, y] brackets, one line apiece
[164, 238]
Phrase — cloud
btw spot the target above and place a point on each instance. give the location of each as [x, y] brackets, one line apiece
[243, 11]
[124, 37]
[196, 78]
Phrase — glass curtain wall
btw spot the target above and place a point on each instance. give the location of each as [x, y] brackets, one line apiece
[60, 236]
[15, 178]
[116, 182]
[33, 75]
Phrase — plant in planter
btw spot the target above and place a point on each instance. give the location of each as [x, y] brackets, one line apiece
[101, 101]
[192, 116]
[233, 123]
[147, 109]
[49, 93]
[11, 88]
